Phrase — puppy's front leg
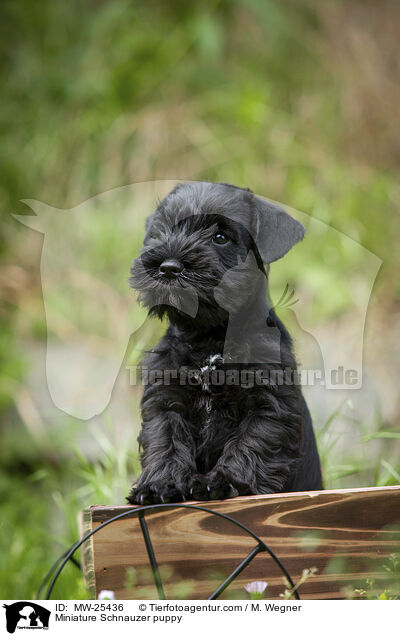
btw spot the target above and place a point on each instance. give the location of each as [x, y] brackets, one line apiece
[259, 458]
[167, 460]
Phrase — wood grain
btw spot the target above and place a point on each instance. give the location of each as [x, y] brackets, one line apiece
[347, 534]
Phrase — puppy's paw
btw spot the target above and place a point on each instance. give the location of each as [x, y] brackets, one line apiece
[198, 488]
[155, 492]
[212, 486]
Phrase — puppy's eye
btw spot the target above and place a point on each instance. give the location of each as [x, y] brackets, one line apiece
[220, 238]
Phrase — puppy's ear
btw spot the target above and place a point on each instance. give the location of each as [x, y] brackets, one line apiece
[274, 230]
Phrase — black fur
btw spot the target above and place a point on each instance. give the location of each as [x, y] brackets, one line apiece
[202, 440]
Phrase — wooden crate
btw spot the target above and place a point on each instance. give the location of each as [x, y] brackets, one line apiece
[348, 535]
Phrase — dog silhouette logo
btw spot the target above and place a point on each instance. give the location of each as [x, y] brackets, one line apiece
[26, 615]
[91, 313]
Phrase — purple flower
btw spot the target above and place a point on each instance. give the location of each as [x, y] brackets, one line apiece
[106, 595]
[256, 589]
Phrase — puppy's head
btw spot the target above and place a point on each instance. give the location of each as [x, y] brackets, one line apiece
[204, 234]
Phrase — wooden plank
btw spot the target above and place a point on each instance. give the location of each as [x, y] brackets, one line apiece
[347, 534]
[87, 550]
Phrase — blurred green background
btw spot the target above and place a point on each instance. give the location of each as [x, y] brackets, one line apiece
[296, 99]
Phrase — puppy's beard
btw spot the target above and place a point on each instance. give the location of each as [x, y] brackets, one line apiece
[183, 299]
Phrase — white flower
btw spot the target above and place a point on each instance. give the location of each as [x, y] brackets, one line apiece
[256, 587]
[106, 595]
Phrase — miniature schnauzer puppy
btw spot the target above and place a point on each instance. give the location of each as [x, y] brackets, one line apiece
[224, 415]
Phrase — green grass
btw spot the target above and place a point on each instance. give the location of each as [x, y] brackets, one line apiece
[40, 512]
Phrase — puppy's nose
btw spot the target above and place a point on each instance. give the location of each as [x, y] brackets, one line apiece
[171, 268]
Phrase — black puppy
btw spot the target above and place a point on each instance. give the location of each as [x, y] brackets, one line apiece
[223, 413]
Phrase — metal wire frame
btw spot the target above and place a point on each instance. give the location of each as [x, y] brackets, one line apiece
[140, 511]
[52, 569]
